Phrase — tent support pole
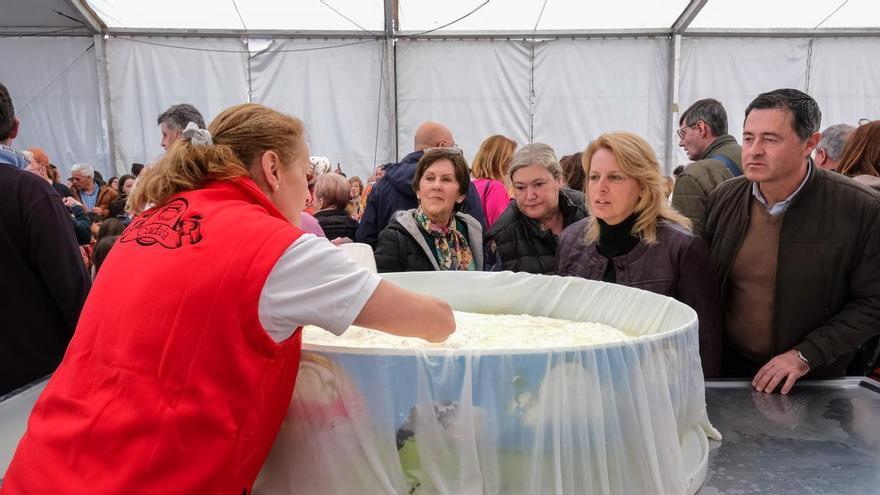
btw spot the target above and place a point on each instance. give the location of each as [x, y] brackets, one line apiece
[104, 98]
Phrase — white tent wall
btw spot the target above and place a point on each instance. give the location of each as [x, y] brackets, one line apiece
[735, 70]
[341, 89]
[476, 87]
[148, 75]
[845, 79]
[54, 84]
[584, 87]
[346, 96]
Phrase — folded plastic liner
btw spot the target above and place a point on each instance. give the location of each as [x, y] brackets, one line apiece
[601, 419]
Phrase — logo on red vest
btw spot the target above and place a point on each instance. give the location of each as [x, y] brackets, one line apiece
[165, 226]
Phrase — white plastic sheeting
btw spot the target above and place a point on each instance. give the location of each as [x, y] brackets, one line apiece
[342, 90]
[54, 87]
[603, 419]
[148, 75]
[524, 15]
[735, 70]
[585, 87]
[571, 90]
[845, 80]
[253, 14]
[476, 88]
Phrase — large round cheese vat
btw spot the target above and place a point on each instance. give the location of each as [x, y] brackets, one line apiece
[616, 418]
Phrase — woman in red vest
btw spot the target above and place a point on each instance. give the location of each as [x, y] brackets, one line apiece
[184, 359]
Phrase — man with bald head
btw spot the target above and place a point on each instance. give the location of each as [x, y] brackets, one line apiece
[395, 190]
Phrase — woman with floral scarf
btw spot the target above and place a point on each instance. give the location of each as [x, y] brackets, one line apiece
[434, 236]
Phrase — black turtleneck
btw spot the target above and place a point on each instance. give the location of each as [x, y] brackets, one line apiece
[616, 240]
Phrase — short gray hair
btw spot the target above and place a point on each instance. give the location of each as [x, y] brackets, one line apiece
[710, 111]
[178, 116]
[83, 168]
[834, 140]
[535, 154]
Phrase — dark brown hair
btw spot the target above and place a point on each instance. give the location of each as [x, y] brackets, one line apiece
[462, 174]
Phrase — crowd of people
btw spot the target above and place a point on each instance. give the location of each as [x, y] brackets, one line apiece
[774, 241]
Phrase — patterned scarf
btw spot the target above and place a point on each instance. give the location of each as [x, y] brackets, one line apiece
[453, 250]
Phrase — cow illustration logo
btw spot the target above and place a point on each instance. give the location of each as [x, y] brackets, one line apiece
[167, 226]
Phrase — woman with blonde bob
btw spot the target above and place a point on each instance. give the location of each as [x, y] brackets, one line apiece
[489, 170]
[633, 237]
[185, 356]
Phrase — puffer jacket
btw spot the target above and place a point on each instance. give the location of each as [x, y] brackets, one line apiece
[402, 246]
[336, 223]
[702, 177]
[394, 192]
[827, 295]
[519, 244]
[677, 266]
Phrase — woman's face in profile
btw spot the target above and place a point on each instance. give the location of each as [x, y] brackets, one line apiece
[293, 186]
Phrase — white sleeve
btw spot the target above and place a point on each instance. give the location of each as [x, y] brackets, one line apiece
[314, 283]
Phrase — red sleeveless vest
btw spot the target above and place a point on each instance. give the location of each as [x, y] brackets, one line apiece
[170, 384]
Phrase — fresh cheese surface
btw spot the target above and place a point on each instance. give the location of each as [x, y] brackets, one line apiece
[481, 331]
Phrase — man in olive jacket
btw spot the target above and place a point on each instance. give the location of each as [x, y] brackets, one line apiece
[717, 157]
[797, 249]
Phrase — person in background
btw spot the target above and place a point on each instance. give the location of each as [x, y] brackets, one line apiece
[45, 284]
[118, 208]
[394, 192]
[378, 173]
[356, 186]
[332, 196]
[62, 189]
[861, 156]
[716, 157]
[434, 235]
[204, 295]
[797, 250]
[172, 122]
[831, 144]
[572, 171]
[94, 197]
[82, 224]
[525, 236]
[136, 169]
[99, 254]
[489, 169]
[113, 183]
[633, 237]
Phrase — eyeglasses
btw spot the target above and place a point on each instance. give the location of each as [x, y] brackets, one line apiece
[681, 130]
[453, 150]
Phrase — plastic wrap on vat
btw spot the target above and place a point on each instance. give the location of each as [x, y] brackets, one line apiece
[628, 417]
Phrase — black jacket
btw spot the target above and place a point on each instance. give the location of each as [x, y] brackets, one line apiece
[336, 223]
[44, 281]
[403, 248]
[394, 193]
[517, 243]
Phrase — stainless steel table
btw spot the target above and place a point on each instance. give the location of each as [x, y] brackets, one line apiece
[823, 438]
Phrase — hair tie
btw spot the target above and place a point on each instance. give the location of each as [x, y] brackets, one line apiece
[196, 135]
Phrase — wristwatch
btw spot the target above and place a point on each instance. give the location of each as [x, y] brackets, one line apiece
[800, 356]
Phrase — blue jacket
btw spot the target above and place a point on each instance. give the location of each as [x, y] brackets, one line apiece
[394, 192]
[9, 156]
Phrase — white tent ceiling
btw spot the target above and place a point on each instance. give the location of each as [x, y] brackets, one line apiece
[448, 17]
